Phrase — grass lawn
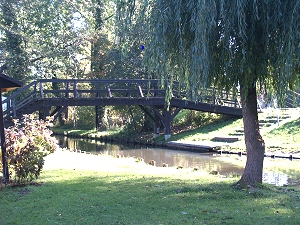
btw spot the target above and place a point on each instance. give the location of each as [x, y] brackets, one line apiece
[78, 188]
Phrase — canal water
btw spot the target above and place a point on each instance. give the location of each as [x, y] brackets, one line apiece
[173, 158]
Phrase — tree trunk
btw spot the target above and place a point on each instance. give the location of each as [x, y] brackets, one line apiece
[255, 145]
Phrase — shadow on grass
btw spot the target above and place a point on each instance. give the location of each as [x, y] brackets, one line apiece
[105, 198]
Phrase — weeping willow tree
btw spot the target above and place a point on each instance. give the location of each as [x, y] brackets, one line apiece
[227, 44]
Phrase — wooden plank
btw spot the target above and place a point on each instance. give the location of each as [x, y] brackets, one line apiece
[194, 145]
[227, 139]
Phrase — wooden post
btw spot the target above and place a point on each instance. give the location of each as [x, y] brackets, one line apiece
[97, 109]
[3, 144]
[75, 90]
[6, 84]
[44, 112]
[128, 94]
[67, 90]
[14, 109]
[156, 125]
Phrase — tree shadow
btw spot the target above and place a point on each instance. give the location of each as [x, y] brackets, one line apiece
[97, 198]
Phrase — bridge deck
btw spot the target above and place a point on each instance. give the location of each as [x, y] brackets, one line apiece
[154, 101]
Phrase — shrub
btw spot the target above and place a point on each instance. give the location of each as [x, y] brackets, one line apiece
[27, 143]
[198, 118]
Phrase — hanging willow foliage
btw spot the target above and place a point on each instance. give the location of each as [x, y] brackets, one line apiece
[223, 43]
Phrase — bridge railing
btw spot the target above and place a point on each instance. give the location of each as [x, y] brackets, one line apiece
[106, 88]
[81, 88]
[20, 98]
[214, 97]
[130, 88]
[71, 88]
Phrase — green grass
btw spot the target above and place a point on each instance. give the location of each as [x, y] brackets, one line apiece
[286, 134]
[208, 131]
[142, 194]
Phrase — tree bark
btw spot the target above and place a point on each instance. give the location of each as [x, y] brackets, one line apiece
[255, 145]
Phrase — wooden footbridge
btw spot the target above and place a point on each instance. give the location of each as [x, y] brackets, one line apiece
[50, 97]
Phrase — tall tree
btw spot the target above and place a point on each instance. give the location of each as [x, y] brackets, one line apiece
[39, 38]
[12, 39]
[227, 44]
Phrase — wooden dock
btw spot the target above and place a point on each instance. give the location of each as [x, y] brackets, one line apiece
[201, 146]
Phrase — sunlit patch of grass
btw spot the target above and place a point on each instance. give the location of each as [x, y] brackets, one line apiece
[287, 133]
[208, 131]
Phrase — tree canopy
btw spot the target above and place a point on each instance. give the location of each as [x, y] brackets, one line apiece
[225, 43]
[45, 39]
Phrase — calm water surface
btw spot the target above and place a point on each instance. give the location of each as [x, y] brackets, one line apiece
[203, 161]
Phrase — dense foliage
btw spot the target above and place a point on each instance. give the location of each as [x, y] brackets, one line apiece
[38, 38]
[27, 143]
[75, 39]
[225, 43]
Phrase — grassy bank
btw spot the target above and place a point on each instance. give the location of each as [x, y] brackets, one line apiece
[85, 189]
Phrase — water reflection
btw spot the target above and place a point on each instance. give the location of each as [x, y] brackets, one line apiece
[278, 179]
[203, 161]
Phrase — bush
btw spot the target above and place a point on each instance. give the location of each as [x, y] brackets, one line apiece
[198, 118]
[27, 143]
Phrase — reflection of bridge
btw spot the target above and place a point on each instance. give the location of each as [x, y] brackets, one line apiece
[53, 96]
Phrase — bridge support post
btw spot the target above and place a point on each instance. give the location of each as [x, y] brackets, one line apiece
[156, 125]
[44, 113]
[167, 123]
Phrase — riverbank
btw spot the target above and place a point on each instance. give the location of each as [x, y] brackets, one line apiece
[281, 135]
